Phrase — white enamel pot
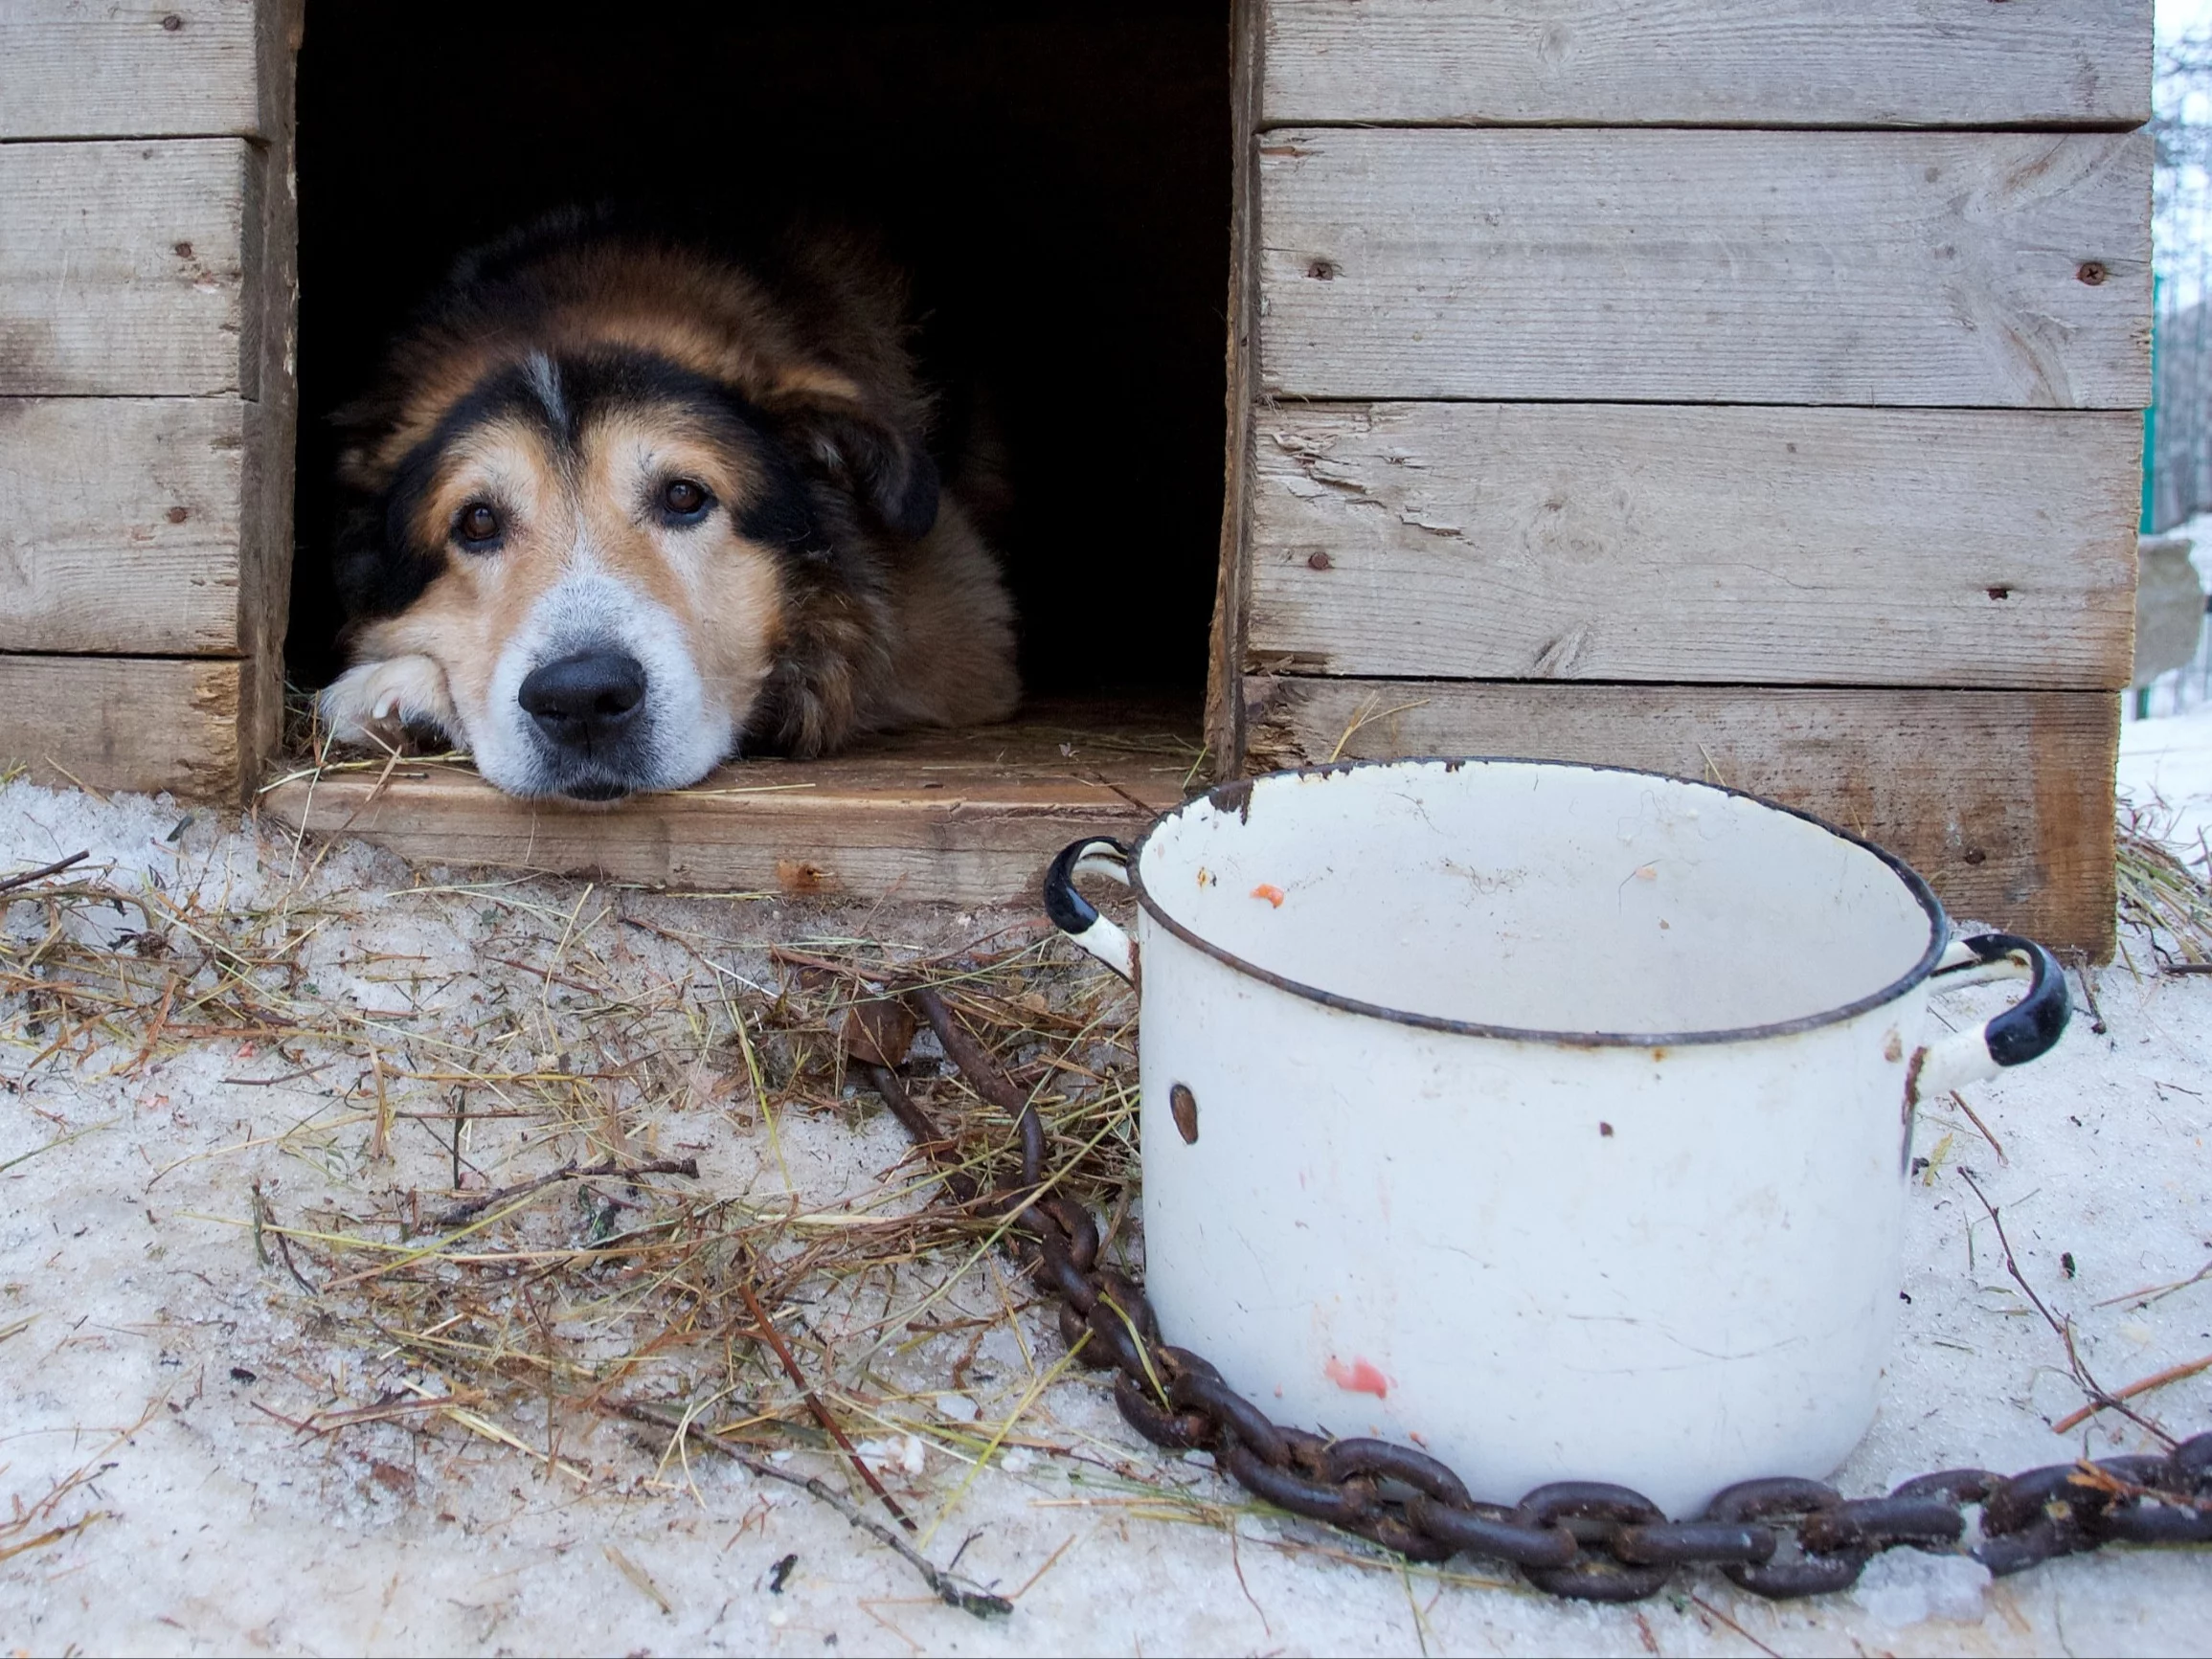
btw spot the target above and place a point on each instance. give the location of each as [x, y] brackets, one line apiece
[1552, 1118]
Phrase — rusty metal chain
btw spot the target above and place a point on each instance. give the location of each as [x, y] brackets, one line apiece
[1779, 1538]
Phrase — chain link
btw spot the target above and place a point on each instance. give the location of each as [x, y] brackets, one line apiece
[1779, 1538]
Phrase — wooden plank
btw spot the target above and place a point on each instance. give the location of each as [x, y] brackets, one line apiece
[1649, 542]
[124, 268]
[2002, 799]
[1225, 641]
[1949, 269]
[123, 523]
[1711, 62]
[140, 69]
[126, 723]
[265, 548]
[966, 817]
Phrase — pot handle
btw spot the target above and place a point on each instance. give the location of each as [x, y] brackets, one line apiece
[2028, 1029]
[1078, 917]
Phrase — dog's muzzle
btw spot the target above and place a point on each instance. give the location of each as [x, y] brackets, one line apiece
[589, 712]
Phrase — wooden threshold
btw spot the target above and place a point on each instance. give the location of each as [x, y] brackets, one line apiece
[968, 818]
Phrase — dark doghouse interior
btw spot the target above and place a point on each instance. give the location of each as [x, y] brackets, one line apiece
[1056, 178]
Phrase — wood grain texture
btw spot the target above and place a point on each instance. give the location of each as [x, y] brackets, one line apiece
[125, 723]
[2002, 799]
[1711, 62]
[1225, 640]
[1653, 542]
[266, 545]
[126, 268]
[1917, 268]
[123, 523]
[139, 69]
[967, 818]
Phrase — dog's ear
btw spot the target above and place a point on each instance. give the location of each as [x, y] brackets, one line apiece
[374, 567]
[883, 463]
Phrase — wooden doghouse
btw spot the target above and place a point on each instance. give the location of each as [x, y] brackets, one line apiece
[1742, 389]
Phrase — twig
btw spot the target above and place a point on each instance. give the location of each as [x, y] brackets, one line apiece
[380, 1138]
[277, 1082]
[814, 1405]
[386, 1410]
[290, 1423]
[59, 1141]
[262, 1227]
[2149, 1292]
[980, 1603]
[609, 1169]
[823, 964]
[1959, 1100]
[2089, 994]
[23, 878]
[2172, 1374]
[2098, 1478]
[1236, 1565]
[53, 1534]
[2099, 1397]
[1733, 1625]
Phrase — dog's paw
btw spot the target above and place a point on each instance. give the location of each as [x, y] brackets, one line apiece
[377, 700]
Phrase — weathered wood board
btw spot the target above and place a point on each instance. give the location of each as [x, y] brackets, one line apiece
[126, 524]
[140, 69]
[1998, 269]
[1711, 62]
[131, 269]
[132, 723]
[2002, 799]
[1225, 639]
[967, 818]
[1759, 546]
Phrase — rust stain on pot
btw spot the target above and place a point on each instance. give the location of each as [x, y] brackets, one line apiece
[1183, 1106]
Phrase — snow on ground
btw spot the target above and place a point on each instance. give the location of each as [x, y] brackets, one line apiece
[141, 1339]
[2166, 767]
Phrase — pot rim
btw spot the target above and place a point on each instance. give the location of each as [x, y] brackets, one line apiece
[1236, 797]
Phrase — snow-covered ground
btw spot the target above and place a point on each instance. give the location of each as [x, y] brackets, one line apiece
[2166, 771]
[145, 1343]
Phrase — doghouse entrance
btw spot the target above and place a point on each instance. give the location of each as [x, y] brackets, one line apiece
[1057, 179]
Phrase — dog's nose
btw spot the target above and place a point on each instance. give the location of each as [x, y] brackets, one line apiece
[587, 698]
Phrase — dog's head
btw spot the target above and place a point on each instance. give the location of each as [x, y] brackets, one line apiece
[582, 563]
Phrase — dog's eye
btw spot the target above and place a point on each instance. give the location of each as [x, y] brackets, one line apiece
[477, 524]
[684, 501]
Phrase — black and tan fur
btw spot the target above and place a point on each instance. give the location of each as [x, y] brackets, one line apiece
[575, 387]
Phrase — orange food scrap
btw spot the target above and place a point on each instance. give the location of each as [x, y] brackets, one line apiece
[1269, 891]
[1357, 1378]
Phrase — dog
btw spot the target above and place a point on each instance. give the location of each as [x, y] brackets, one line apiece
[621, 508]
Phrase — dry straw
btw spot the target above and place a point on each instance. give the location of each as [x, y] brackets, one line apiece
[505, 1217]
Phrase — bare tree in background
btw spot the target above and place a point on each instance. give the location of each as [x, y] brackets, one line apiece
[2181, 439]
